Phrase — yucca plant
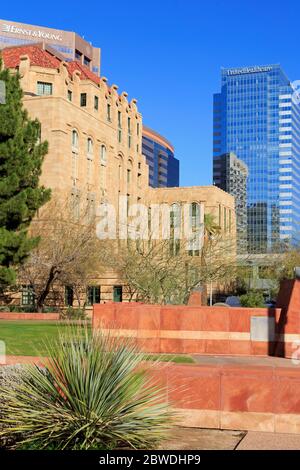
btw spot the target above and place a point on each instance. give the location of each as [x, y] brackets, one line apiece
[94, 393]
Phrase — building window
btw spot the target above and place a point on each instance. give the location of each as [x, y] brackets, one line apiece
[83, 100]
[108, 112]
[102, 177]
[78, 55]
[103, 158]
[93, 295]
[89, 160]
[89, 146]
[175, 228]
[69, 95]
[120, 172]
[87, 61]
[194, 242]
[138, 129]
[27, 296]
[91, 207]
[129, 132]
[119, 127]
[69, 296]
[195, 215]
[74, 140]
[117, 294]
[75, 201]
[74, 167]
[128, 203]
[96, 103]
[44, 89]
[129, 172]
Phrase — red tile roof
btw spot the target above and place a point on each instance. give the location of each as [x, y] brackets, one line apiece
[43, 58]
[85, 73]
[11, 57]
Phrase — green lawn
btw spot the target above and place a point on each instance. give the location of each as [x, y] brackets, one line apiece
[27, 338]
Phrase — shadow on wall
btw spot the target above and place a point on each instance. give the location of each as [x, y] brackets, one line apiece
[288, 323]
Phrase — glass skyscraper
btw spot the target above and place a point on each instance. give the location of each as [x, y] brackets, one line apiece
[159, 154]
[257, 118]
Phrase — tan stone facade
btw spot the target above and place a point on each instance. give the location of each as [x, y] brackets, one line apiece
[95, 146]
[214, 201]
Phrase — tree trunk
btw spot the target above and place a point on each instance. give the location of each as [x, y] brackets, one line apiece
[44, 294]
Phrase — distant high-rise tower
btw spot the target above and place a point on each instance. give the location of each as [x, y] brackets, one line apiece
[230, 174]
[159, 153]
[256, 117]
[69, 45]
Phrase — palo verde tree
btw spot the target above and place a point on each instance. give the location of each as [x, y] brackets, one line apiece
[21, 158]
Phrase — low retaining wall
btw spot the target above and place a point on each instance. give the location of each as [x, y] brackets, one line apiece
[187, 329]
[226, 396]
[209, 330]
[254, 398]
[28, 316]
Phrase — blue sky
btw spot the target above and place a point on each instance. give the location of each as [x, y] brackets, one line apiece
[168, 55]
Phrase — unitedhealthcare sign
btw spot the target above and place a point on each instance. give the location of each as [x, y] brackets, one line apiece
[248, 70]
[33, 33]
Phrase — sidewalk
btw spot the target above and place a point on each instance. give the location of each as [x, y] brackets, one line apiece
[182, 438]
[269, 441]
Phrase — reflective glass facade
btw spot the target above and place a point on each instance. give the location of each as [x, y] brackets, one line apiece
[163, 166]
[255, 117]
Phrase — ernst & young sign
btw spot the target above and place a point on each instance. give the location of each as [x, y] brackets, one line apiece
[33, 33]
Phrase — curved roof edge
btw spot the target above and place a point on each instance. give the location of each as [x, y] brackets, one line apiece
[153, 135]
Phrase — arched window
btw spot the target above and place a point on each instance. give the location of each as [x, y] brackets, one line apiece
[120, 172]
[74, 140]
[103, 157]
[90, 146]
[195, 215]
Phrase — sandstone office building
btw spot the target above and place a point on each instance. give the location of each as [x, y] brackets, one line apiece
[95, 141]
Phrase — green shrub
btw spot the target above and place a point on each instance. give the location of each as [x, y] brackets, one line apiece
[51, 309]
[252, 299]
[95, 393]
[20, 309]
[72, 313]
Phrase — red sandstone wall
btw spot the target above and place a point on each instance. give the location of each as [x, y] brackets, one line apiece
[28, 316]
[244, 396]
[289, 323]
[185, 329]
[257, 398]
